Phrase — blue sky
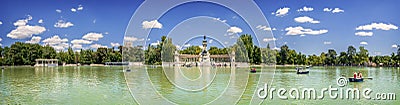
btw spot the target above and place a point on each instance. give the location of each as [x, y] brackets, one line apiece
[89, 24]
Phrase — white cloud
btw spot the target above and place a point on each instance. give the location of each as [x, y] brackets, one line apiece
[327, 43]
[132, 39]
[94, 21]
[21, 22]
[1, 23]
[394, 46]
[234, 30]
[364, 43]
[333, 10]
[73, 9]
[305, 19]
[378, 26]
[61, 46]
[77, 46]
[337, 10]
[54, 40]
[115, 44]
[362, 33]
[305, 9]
[80, 41]
[269, 39]
[151, 24]
[218, 19]
[95, 46]
[0, 39]
[302, 31]
[93, 36]
[187, 45]
[327, 9]
[155, 43]
[35, 39]
[282, 11]
[22, 32]
[25, 31]
[265, 28]
[80, 7]
[63, 24]
[40, 21]
[210, 41]
[58, 11]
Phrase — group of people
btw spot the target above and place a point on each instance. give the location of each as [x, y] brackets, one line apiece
[357, 75]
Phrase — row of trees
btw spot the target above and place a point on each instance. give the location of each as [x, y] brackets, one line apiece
[245, 51]
[25, 54]
[351, 57]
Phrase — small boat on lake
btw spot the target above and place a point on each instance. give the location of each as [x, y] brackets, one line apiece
[253, 70]
[301, 70]
[356, 79]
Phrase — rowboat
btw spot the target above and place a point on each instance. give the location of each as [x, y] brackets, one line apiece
[356, 79]
[300, 70]
[253, 70]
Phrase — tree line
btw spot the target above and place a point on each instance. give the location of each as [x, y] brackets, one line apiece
[245, 51]
[25, 54]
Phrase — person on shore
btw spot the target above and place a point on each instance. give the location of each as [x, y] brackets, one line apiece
[355, 75]
[359, 74]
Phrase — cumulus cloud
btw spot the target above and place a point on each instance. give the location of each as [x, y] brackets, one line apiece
[364, 43]
[362, 33]
[93, 36]
[269, 39]
[115, 44]
[327, 43]
[151, 24]
[302, 31]
[394, 46]
[132, 39]
[337, 10]
[73, 9]
[58, 11]
[218, 19]
[40, 21]
[155, 43]
[22, 32]
[25, 31]
[60, 46]
[305, 19]
[80, 41]
[265, 28]
[1, 23]
[333, 10]
[305, 9]
[187, 45]
[282, 11]
[77, 46]
[35, 39]
[234, 30]
[378, 26]
[55, 40]
[95, 46]
[327, 9]
[80, 8]
[63, 24]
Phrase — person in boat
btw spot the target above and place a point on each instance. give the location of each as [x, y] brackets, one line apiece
[359, 74]
[355, 75]
[253, 69]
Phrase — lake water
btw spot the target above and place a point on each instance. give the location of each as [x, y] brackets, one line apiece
[195, 85]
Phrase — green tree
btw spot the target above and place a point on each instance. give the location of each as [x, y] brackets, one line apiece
[283, 55]
[331, 57]
[351, 55]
